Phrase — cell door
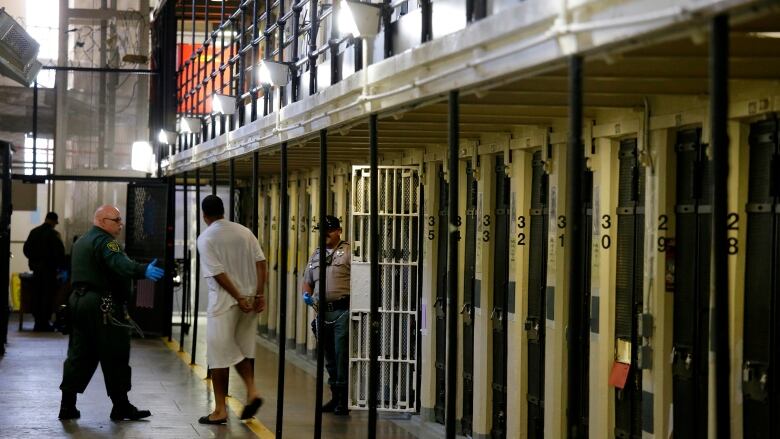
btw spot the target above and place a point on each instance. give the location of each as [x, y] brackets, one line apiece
[628, 288]
[399, 253]
[499, 314]
[469, 276]
[500, 297]
[693, 237]
[440, 305]
[760, 354]
[537, 282]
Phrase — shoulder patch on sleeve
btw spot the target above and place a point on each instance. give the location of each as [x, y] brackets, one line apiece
[113, 246]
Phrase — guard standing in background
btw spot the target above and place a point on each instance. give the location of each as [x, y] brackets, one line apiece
[334, 336]
[46, 255]
[102, 273]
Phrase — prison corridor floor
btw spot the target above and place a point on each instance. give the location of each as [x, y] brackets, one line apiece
[164, 382]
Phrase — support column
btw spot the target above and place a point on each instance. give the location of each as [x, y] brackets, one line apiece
[719, 75]
[373, 365]
[197, 268]
[452, 266]
[283, 242]
[323, 299]
[576, 253]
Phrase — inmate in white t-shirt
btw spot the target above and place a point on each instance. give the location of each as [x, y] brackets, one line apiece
[228, 247]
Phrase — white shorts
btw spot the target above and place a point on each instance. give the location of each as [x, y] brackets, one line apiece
[230, 337]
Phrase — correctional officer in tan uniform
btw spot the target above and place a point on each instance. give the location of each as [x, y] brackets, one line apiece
[334, 336]
[102, 273]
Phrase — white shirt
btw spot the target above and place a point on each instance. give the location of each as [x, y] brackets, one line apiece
[230, 248]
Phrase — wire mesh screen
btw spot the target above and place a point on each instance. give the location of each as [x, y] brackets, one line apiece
[398, 253]
[104, 113]
[146, 219]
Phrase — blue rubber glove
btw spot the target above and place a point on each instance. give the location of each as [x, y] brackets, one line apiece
[307, 299]
[62, 276]
[154, 273]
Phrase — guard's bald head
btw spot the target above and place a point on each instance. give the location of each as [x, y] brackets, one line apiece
[108, 218]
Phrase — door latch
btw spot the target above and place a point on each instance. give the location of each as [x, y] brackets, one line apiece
[532, 327]
[439, 305]
[467, 312]
[682, 361]
[498, 319]
[755, 380]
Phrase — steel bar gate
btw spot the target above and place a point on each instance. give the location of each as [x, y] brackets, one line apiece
[469, 285]
[628, 288]
[399, 253]
[693, 237]
[762, 289]
[537, 285]
[500, 297]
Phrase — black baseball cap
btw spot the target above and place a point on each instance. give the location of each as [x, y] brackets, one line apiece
[331, 223]
[52, 216]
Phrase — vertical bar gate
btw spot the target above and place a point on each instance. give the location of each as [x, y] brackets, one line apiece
[693, 237]
[628, 289]
[469, 285]
[398, 252]
[759, 385]
[537, 281]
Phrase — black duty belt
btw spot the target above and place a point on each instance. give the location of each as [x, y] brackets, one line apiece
[338, 304]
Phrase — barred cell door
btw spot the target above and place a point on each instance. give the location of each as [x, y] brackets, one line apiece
[693, 237]
[441, 298]
[537, 281]
[499, 315]
[628, 288]
[399, 252]
[762, 301]
[469, 276]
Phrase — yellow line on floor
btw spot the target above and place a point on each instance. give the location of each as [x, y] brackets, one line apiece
[257, 427]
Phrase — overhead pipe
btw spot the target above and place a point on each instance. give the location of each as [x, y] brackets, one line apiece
[452, 264]
[284, 248]
[719, 99]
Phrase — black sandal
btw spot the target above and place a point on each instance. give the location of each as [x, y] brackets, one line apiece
[251, 408]
[207, 421]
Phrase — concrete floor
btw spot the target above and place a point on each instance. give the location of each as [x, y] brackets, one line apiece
[164, 383]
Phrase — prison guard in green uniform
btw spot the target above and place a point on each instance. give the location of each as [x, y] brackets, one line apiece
[100, 270]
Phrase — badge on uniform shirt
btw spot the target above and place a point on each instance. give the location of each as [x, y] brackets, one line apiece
[114, 246]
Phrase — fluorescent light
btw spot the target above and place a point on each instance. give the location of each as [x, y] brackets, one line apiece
[273, 73]
[359, 19]
[189, 125]
[166, 137]
[142, 158]
[223, 104]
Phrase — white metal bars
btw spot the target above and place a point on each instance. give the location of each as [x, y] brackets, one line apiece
[399, 252]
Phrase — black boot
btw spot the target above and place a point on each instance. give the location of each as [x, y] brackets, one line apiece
[342, 406]
[124, 410]
[329, 406]
[68, 408]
